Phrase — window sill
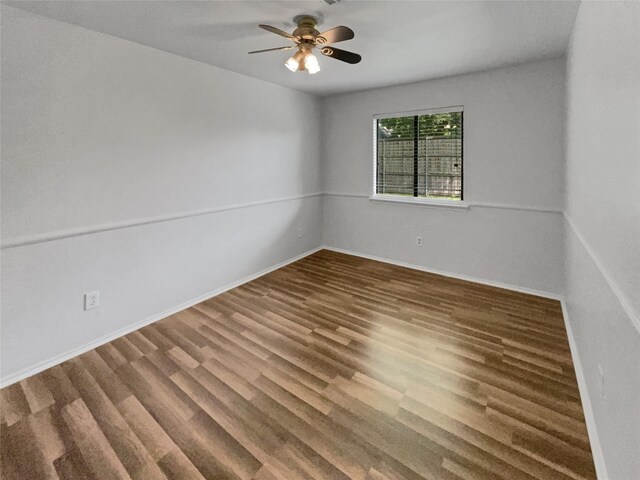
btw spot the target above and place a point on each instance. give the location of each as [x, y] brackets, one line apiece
[427, 202]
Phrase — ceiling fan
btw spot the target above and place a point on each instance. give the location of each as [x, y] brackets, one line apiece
[306, 38]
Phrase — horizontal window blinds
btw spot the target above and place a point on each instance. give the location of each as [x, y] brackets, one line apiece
[420, 155]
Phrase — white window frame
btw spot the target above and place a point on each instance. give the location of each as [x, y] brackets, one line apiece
[400, 199]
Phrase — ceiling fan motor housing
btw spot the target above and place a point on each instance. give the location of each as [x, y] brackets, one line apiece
[306, 30]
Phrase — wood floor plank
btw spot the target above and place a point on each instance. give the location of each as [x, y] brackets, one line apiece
[37, 393]
[71, 466]
[92, 443]
[332, 367]
[14, 405]
[121, 437]
[22, 457]
[177, 466]
[152, 436]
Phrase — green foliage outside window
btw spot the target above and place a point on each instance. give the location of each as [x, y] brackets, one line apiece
[434, 125]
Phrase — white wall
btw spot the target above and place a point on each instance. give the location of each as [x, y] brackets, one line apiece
[99, 133]
[603, 221]
[514, 121]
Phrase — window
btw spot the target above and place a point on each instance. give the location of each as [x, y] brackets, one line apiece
[420, 154]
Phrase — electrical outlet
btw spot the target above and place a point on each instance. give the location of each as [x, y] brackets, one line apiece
[601, 384]
[419, 241]
[92, 300]
[299, 233]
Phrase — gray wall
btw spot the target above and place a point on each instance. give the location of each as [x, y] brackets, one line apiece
[513, 177]
[123, 150]
[603, 221]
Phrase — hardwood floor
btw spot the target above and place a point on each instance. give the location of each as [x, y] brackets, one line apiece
[331, 367]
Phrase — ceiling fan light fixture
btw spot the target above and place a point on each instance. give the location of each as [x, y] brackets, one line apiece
[311, 63]
[306, 38]
[293, 63]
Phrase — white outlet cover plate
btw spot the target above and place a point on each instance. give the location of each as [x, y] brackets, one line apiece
[92, 300]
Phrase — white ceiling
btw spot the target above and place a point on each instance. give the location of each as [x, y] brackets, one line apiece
[400, 41]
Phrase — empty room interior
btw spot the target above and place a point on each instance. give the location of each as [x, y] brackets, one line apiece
[322, 239]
